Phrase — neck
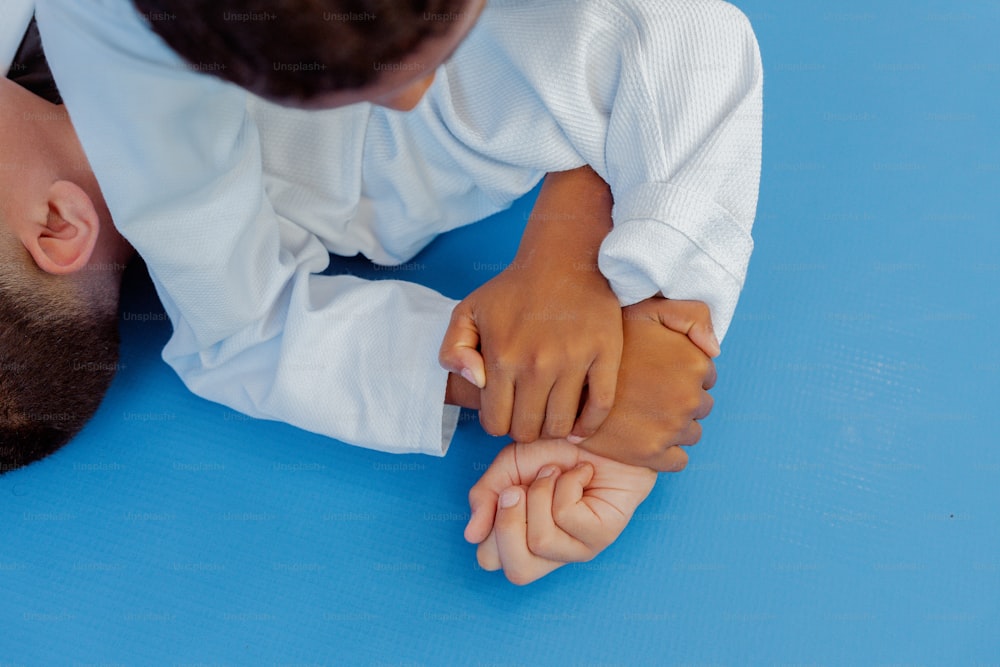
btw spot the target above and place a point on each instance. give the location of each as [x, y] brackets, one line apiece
[37, 133]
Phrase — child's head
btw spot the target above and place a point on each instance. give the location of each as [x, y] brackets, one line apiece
[318, 53]
[60, 274]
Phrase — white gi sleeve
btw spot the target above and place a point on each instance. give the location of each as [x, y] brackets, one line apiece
[683, 156]
[662, 98]
[14, 18]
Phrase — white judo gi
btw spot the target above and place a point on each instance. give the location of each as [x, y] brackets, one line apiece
[14, 18]
[235, 203]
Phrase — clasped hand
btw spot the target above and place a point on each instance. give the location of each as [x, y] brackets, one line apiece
[545, 336]
[543, 505]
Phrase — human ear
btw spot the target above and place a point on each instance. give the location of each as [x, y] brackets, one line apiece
[65, 240]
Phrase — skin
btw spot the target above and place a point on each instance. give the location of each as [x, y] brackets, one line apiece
[530, 352]
[539, 365]
[53, 175]
[534, 361]
[53, 205]
[60, 217]
[663, 382]
[569, 513]
[543, 505]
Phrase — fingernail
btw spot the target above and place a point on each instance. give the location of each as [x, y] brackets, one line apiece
[509, 498]
[574, 439]
[467, 374]
[547, 471]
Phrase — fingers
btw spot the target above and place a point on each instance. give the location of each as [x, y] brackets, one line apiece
[578, 519]
[693, 319]
[545, 538]
[564, 402]
[553, 522]
[484, 494]
[690, 435]
[459, 351]
[513, 465]
[673, 459]
[483, 502]
[602, 381]
[497, 402]
[547, 405]
[520, 566]
[711, 375]
[562, 517]
[530, 398]
[528, 408]
[487, 555]
[705, 408]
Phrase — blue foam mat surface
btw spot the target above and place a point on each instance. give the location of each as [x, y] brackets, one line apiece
[843, 506]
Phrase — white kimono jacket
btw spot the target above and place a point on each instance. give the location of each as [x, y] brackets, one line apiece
[235, 203]
[14, 18]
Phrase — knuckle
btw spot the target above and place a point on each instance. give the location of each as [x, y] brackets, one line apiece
[523, 434]
[709, 405]
[517, 576]
[673, 459]
[678, 425]
[447, 356]
[540, 365]
[691, 404]
[652, 448]
[486, 563]
[491, 425]
[502, 364]
[557, 428]
[563, 517]
[601, 400]
[702, 365]
[539, 543]
[678, 463]
[525, 427]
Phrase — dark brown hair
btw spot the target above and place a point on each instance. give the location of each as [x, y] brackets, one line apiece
[297, 49]
[57, 359]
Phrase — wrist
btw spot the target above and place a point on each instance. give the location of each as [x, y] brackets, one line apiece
[643, 310]
[461, 392]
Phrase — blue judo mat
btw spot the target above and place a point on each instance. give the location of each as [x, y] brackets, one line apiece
[843, 507]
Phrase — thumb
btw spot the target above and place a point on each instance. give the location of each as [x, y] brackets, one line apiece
[460, 348]
[485, 493]
[487, 554]
[483, 503]
[694, 320]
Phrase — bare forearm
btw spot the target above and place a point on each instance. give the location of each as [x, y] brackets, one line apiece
[557, 258]
[571, 218]
[461, 392]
